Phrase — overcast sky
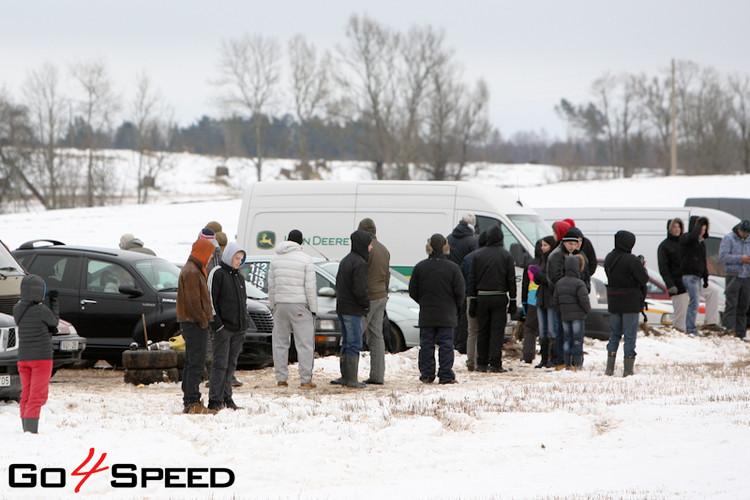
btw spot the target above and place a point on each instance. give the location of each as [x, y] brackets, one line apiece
[531, 53]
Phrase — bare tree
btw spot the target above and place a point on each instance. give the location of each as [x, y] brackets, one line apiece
[653, 101]
[310, 85]
[148, 113]
[47, 104]
[473, 123]
[422, 53]
[16, 152]
[97, 105]
[370, 86]
[739, 86]
[441, 142]
[249, 72]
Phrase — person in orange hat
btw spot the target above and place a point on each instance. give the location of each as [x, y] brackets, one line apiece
[194, 313]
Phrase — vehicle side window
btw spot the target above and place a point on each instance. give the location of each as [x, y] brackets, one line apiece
[520, 256]
[57, 271]
[257, 274]
[322, 281]
[107, 277]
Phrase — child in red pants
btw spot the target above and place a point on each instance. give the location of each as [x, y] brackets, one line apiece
[35, 321]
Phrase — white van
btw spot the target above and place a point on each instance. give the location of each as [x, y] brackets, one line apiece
[649, 226]
[406, 214]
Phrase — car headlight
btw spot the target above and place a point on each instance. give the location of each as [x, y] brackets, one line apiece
[666, 319]
[326, 324]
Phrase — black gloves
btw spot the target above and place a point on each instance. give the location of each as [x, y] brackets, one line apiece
[512, 307]
[705, 282]
[473, 307]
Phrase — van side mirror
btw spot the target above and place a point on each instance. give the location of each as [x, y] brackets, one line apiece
[326, 291]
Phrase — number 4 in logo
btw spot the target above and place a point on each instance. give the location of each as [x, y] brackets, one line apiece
[87, 474]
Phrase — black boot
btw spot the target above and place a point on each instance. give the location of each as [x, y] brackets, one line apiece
[611, 356]
[550, 354]
[629, 362]
[32, 425]
[215, 405]
[229, 403]
[544, 351]
[340, 380]
[352, 371]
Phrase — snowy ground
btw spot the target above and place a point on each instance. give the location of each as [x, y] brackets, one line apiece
[679, 428]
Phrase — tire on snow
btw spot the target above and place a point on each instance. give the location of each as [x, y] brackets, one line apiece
[145, 377]
[148, 360]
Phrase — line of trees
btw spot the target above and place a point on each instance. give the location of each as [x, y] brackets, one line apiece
[395, 99]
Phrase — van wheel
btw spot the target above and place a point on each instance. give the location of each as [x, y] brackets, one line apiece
[397, 339]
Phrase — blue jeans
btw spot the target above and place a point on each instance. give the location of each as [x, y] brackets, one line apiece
[573, 337]
[693, 286]
[623, 324]
[196, 344]
[351, 334]
[443, 336]
[547, 322]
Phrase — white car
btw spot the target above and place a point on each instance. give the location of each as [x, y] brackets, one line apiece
[401, 310]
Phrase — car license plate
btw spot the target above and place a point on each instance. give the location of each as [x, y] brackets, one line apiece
[68, 345]
[4, 380]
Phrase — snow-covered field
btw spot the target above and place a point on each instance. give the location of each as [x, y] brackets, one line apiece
[679, 428]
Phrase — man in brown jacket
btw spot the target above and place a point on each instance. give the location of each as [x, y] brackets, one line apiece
[194, 313]
[378, 280]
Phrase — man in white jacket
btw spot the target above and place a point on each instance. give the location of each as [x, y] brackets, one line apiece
[293, 298]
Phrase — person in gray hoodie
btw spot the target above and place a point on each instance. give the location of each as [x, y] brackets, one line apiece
[292, 295]
[571, 298]
[35, 320]
[226, 286]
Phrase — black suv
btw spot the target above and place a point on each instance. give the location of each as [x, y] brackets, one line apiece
[109, 295]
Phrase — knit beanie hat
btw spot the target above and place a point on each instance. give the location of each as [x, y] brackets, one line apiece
[215, 226]
[572, 234]
[561, 227]
[295, 235]
[368, 225]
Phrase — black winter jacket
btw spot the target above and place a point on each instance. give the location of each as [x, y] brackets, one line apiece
[35, 320]
[462, 242]
[587, 249]
[556, 267]
[571, 297]
[626, 276]
[437, 285]
[228, 296]
[668, 257]
[693, 248]
[492, 269]
[545, 290]
[352, 297]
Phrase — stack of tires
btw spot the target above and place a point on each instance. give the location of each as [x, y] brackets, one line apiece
[148, 367]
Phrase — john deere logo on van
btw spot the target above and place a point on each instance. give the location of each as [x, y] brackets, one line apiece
[265, 239]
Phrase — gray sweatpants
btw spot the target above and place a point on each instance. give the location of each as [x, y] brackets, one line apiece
[297, 318]
[372, 330]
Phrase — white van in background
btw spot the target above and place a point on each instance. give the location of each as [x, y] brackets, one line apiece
[406, 214]
[649, 226]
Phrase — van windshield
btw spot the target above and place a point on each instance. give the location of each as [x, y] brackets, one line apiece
[532, 226]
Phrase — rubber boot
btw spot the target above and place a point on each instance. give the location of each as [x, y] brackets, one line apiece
[611, 356]
[23, 424]
[577, 361]
[544, 351]
[629, 362]
[340, 380]
[568, 361]
[32, 425]
[550, 354]
[352, 370]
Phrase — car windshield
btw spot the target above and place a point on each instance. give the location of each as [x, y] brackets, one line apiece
[9, 266]
[532, 226]
[160, 274]
[398, 283]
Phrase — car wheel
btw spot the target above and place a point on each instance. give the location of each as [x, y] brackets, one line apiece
[397, 339]
[149, 360]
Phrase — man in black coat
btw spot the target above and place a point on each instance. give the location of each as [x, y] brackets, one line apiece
[437, 285]
[462, 241]
[626, 292]
[352, 303]
[668, 257]
[493, 282]
[693, 265]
